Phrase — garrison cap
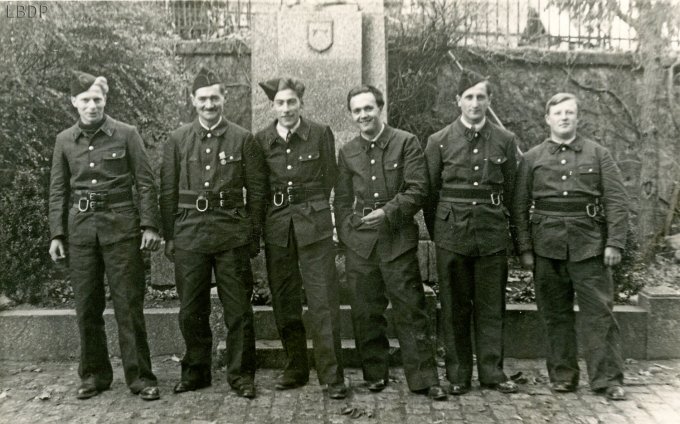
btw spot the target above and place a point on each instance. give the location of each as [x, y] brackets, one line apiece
[80, 82]
[469, 79]
[273, 86]
[204, 78]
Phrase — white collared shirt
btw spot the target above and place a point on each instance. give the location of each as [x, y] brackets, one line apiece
[211, 128]
[283, 131]
[478, 126]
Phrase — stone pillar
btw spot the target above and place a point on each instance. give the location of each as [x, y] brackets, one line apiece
[330, 47]
[662, 304]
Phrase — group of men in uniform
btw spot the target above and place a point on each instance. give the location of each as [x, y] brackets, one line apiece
[223, 188]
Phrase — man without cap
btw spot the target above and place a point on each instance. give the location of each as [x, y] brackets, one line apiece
[210, 229]
[381, 185]
[571, 215]
[471, 165]
[298, 234]
[95, 164]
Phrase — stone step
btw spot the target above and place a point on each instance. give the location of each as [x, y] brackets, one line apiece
[270, 353]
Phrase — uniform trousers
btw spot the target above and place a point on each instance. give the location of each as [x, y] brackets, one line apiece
[472, 295]
[193, 274]
[123, 266]
[312, 267]
[557, 281]
[374, 282]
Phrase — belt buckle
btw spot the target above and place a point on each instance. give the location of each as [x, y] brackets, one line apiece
[201, 200]
[278, 195]
[223, 197]
[82, 208]
[366, 211]
[496, 199]
[591, 210]
[290, 192]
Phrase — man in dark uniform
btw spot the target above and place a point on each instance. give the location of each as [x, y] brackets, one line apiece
[298, 234]
[95, 164]
[208, 228]
[571, 216]
[471, 164]
[381, 185]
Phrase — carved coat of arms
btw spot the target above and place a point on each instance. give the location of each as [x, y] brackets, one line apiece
[320, 35]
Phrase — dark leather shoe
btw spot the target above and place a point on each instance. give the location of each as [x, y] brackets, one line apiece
[563, 387]
[615, 393]
[86, 391]
[459, 389]
[337, 391]
[150, 393]
[246, 390]
[377, 385]
[436, 392]
[185, 386]
[503, 387]
[286, 382]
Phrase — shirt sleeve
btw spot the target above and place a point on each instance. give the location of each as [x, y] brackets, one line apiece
[509, 169]
[615, 201]
[433, 162]
[330, 166]
[344, 192]
[255, 173]
[520, 206]
[144, 181]
[169, 194]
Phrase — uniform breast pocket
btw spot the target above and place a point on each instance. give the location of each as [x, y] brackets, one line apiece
[309, 162]
[394, 174]
[494, 169]
[589, 175]
[115, 161]
[230, 166]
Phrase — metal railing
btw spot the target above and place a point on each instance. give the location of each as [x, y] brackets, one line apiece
[207, 19]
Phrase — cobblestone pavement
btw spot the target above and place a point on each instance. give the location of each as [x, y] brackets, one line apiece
[44, 393]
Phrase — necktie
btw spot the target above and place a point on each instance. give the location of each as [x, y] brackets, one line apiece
[288, 136]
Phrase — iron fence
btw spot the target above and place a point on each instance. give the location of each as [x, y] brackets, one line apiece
[205, 19]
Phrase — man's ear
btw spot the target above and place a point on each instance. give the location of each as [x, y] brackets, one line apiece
[73, 101]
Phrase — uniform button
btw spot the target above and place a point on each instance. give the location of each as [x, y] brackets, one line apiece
[94, 181]
[564, 177]
[395, 165]
[372, 145]
[309, 157]
[564, 148]
[564, 193]
[474, 203]
[113, 155]
[475, 183]
[287, 150]
[373, 177]
[590, 169]
[475, 150]
[209, 135]
[206, 184]
[91, 164]
[208, 150]
[563, 161]
[290, 183]
[289, 167]
[372, 161]
[207, 167]
[476, 168]
[91, 148]
[441, 145]
[376, 195]
[231, 158]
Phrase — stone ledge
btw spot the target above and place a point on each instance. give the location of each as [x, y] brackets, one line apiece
[53, 334]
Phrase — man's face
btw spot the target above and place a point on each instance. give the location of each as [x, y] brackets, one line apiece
[209, 102]
[90, 105]
[366, 113]
[474, 102]
[287, 106]
[563, 119]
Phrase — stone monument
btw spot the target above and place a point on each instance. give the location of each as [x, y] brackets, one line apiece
[330, 45]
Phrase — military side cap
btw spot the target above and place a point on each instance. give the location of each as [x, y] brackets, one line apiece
[469, 79]
[204, 78]
[273, 86]
[80, 82]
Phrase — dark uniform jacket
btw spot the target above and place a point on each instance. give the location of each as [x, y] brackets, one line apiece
[457, 158]
[307, 163]
[226, 159]
[581, 169]
[112, 161]
[391, 173]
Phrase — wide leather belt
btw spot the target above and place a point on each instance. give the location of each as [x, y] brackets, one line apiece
[363, 208]
[102, 200]
[208, 200]
[293, 195]
[472, 195]
[568, 207]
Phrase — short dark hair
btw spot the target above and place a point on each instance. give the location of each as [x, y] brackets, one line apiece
[291, 83]
[559, 98]
[366, 88]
